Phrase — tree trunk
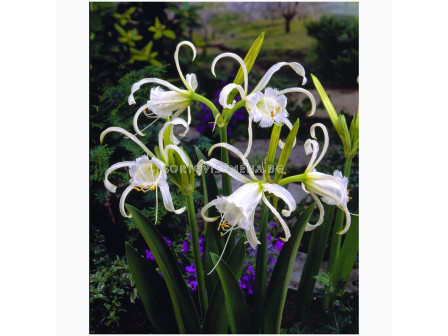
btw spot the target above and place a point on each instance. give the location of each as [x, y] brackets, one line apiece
[287, 25]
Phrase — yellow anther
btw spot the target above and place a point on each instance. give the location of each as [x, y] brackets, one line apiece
[350, 197]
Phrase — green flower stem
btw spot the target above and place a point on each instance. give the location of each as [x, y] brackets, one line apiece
[202, 99]
[335, 246]
[262, 250]
[203, 304]
[228, 113]
[261, 267]
[226, 182]
[290, 179]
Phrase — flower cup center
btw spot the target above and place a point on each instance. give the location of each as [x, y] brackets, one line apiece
[147, 177]
[269, 107]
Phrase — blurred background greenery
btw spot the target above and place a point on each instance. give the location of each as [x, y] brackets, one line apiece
[131, 41]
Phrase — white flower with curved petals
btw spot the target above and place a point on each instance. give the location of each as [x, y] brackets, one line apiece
[264, 108]
[238, 209]
[332, 189]
[147, 174]
[162, 103]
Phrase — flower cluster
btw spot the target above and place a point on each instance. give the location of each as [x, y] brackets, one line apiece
[265, 106]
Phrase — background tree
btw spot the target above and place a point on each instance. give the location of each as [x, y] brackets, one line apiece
[288, 10]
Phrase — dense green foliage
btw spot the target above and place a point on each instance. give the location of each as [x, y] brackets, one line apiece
[335, 59]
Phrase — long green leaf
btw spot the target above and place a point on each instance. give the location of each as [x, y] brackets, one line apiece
[183, 305]
[278, 285]
[286, 151]
[152, 291]
[312, 265]
[249, 60]
[213, 241]
[237, 312]
[215, 321]
[347, 255]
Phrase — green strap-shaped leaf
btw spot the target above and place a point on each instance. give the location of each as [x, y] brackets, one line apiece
[249, 60]
[152, 291]
[319, 237]
[183, 305]
[237, 312]
[325, 100]
[213, 241]
[347, 255]
[215, 321]
[278, 285]
[286, 151]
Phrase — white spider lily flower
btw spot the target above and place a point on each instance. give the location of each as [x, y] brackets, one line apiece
[161, 103]
[332, 189]
[238, 209]
[264, 108]
[147, 174]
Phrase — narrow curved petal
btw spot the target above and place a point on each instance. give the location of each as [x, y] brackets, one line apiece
[173, 139]
[162, 82]
[281, 144]
[313, 134]
[308, 94]
[168, 200]
[280, 219]
[188, 117]
[205, 208]
[310, 227]
[109, 186]
[266, 78]
[224, 94]
[347, 221]
[249, 136]
[238, 59]
[135, 119]
[238, 153]
[311, 146]
[252, 237]
[223, 168]
[284, 194]
[179, 151]
[129, 135]
[122, 199]
[176, 60]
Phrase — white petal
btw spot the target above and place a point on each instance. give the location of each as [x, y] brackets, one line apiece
[223, 95]
[109, 186]
[135, 119]
[173, 139]
[294, 65]
[176, 60]
[179, 151]
[238, 153]
[280, 219]
[206, 207]
[324, 150]
[223, 168]
[129, 135]
[249, 136]
[122, 199]
[310, 227]
[347, 221]
[281, 144]
[309, 95]
[252, 237]
[311, 146]
[192, 81]
[284, 194]
[137, 85]
[238, 59]
[167, 199]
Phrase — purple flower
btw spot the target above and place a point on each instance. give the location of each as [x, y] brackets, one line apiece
[272, 224]
[149, 254]
[190, 269]
[169, 242]
[185, 247]
[193, 284]
[279, 244]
